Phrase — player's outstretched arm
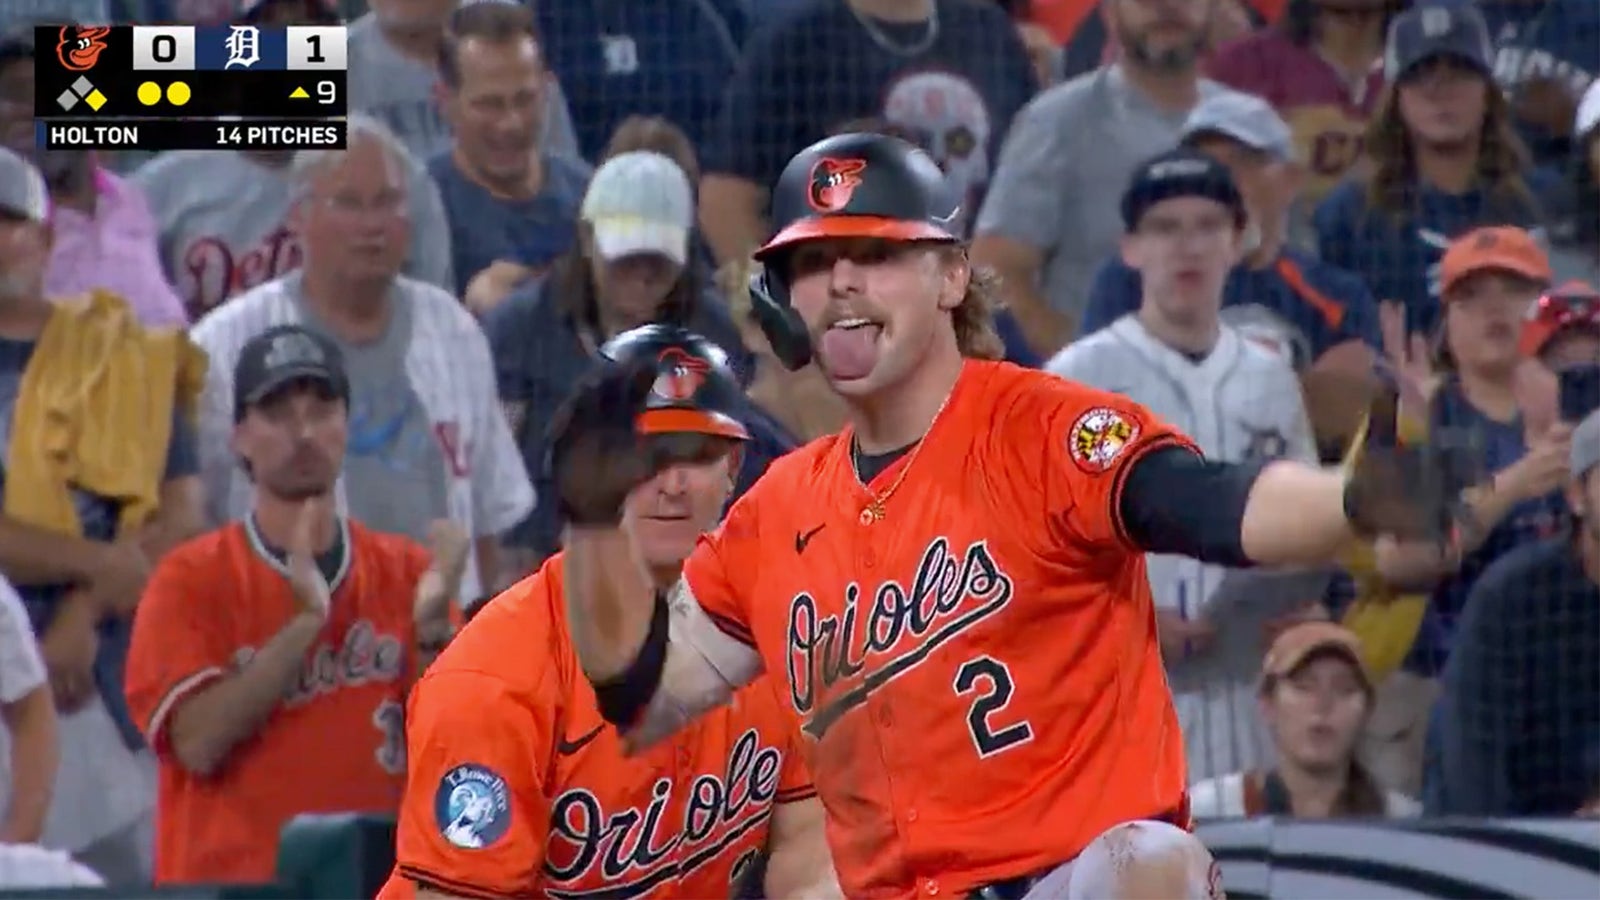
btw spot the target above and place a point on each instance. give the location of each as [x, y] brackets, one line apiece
[1288, 513]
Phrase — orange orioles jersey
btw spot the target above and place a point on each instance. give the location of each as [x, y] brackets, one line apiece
[976, 673]
[518, 788]
[336, 743]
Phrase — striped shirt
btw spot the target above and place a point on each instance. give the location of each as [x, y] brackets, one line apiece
[448, 363]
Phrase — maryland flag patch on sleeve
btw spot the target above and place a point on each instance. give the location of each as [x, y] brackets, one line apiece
[1098, 437]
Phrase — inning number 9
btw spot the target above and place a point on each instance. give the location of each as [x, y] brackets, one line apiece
[991, 680]
[327, 91]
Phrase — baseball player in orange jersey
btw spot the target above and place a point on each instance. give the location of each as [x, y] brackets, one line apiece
[270, 658]
[517, 786]
[953, 587]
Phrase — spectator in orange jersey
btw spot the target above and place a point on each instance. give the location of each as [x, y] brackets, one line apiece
[270, 657]
[517, 785]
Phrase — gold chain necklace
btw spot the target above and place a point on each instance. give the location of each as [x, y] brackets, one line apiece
[874, 510]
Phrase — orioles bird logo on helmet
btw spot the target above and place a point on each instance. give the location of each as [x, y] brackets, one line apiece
[79, 48]
[681, 375]
[833, 183]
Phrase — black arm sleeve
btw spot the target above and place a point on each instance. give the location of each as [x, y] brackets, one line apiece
[1177, 501]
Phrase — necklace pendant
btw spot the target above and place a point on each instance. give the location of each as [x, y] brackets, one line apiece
[870, 515]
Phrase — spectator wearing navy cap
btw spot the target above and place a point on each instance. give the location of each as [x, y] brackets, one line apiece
[1520, 709]
[1444, 158]
[1329, 310]
[1186, 224]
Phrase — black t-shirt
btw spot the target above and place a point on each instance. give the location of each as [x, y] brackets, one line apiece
[804, 76]
[1519, 718]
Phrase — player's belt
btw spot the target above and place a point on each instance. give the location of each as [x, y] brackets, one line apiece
[1017, 888]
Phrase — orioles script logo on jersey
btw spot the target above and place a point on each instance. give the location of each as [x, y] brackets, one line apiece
[892, 635]
[365, 655]
[681, 376]
[834, 182]
[634, 851]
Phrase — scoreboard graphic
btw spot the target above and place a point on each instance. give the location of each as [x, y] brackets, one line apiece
[182, 87]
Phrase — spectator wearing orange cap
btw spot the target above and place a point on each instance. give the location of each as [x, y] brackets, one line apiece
[1316, 698]
[1489, 278]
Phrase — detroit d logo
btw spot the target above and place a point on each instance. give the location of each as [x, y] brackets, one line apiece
[833, 183]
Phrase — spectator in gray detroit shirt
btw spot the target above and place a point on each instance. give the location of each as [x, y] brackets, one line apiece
[427, 440]
[225, 226]
[1519, 717]
[393, 58]
[223, 215]
[513, 208]
[1050, 217]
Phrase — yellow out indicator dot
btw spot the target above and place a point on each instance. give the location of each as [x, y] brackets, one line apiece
[149, 93]
[178, 93]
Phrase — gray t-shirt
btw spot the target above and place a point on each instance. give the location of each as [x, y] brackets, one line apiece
[393, 467]
[398, 90]
[1062, 171]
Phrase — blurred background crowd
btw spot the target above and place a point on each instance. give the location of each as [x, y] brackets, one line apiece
[1422, 179]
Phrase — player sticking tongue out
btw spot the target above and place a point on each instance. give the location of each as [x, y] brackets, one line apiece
[859, 269]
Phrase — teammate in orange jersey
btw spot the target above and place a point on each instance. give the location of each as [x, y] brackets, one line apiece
[519, 788]
[270, 658]
[953, 587]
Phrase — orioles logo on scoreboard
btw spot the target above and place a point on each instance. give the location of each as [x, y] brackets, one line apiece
[79, 48]
[1099, 437]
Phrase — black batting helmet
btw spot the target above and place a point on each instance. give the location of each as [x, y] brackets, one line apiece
[850, 185]
[695, 389]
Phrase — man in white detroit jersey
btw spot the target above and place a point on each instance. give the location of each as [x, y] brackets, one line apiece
[1186, 227]
[428, 440]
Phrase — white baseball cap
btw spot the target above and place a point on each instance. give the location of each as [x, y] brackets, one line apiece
[22, 189]
[1588, 112]
[640, 202]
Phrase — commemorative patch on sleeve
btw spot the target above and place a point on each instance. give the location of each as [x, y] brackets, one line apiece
[472, 806]
[1099, 437]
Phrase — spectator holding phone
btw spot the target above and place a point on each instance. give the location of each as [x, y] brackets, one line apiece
[1477, 382]
[1521, 701]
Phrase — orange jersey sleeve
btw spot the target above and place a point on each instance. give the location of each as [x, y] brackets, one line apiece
[794, 782]
[1091, 441]
[177, 645]
[475, 815]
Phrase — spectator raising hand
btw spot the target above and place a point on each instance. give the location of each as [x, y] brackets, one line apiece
[1410, 360]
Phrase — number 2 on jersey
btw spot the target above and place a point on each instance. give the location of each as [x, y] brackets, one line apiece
[991, 680]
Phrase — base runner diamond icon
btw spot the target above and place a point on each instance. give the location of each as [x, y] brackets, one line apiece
[82, 86]
[67, 100]
[95, 100]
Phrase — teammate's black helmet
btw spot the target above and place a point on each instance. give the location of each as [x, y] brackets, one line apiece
[695, 388]
[849, 185]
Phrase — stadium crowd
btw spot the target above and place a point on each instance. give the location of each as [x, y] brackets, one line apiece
[1420, 181]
